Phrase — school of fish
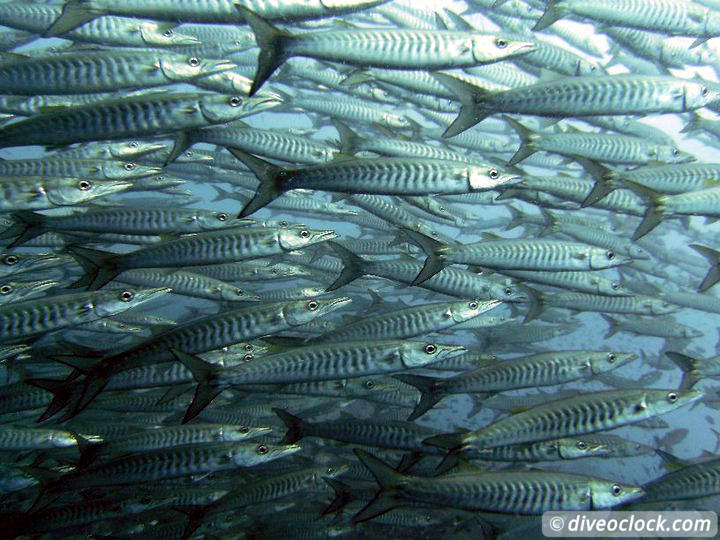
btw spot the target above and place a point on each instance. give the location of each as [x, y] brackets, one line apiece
[355, 269]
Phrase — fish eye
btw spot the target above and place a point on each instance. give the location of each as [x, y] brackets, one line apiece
[672, 397]
[304, 234]
[6, 289]
[704, 91]
[283, 223]
[193, 62]
[244, 429]
[248, 357]
[501, 43]
[430, 348]
[508, 290]
[222, 216]
[126, 296]
[146, 500]
[11, 259]
[168, 33]
[262, 450]
[473, 305]
[614, 286]
[129, 166]
[616, 490]
[369, 385]
[330, 470]
[581, 445]
[312, 305]
[84, 185]
[235, 101]
[239, 292]
[133, 144]
[494, 174]
[248, 347]
[610, 255]
[611, 357]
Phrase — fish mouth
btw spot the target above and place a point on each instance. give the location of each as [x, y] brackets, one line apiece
[145, 295]
[522, 47]
[453, 350]
[336, 303]
[114, 187]
[220, 66]
[324, 236]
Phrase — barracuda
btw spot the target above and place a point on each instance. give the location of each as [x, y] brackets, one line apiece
[513, 492]
[39, 193]
[601, 146]
[580, 96]
[155, 113]
[450, 281]
[409, 322]
[197, 336]
[124, 220]
[77, 168]
[396, 48]
[544, 369]
[23, 320]
[82, 73]
[235, 244]
[313, 363]
[267, 143]
[77, 12]
[121, 31]
[380, 176]
[514, 254]
[577, 415]
[674, 17]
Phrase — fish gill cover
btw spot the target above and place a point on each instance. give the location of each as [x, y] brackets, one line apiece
[355, 268]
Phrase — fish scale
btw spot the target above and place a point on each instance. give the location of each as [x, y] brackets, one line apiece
[267, 143]
[531, 255]
[335, 361]
[409, 322]
[635, 304]
[690, 482]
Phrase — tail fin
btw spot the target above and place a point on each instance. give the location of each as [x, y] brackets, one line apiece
[267, 173]
[429, 393]
[713, 257]
[449, 441]
[474, 102]
[100, 267]
[208, 387]
[348, 138]
[552, 13]
[653, 215]
[389, 480]
[271, 41]
[613, 326]
[693, 124]
[690, 367]
[536, 304]
[603, 180]
[343, 495]
[62, 391]
[434, 262]
[297, 428]
[28, 225]
[352, 266]
[527, 147]
[74, 14]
